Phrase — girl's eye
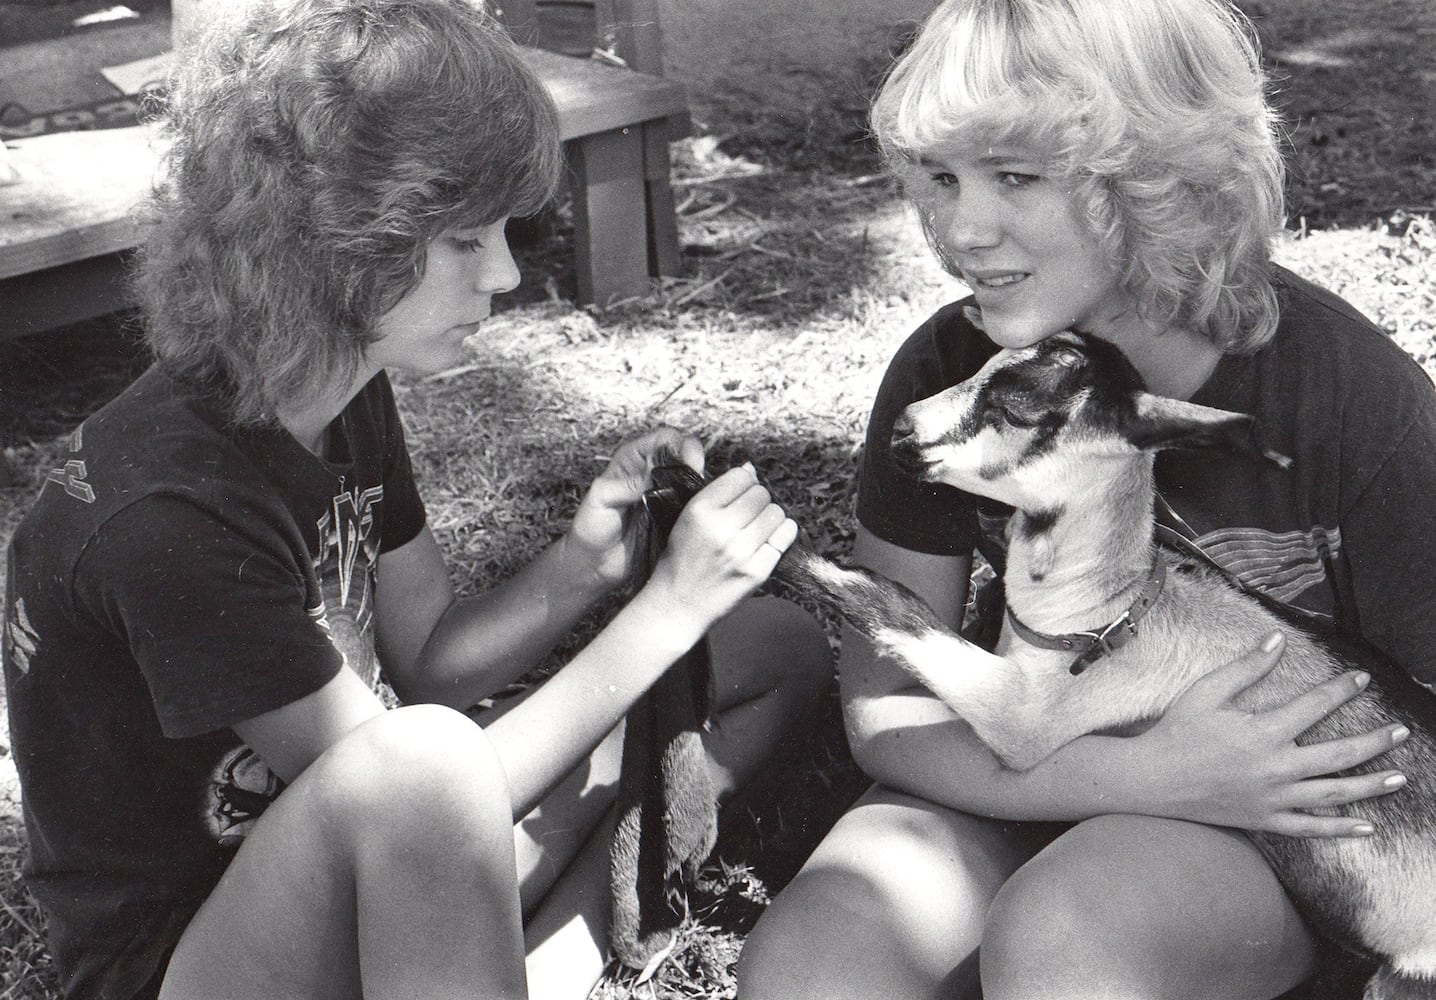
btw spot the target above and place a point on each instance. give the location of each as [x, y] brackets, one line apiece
[943, 179]
[1011, 178]
[468, 245]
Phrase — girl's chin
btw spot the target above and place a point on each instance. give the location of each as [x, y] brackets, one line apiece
[1015, 338]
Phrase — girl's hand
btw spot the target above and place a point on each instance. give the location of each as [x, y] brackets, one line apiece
[600, 538]
[725, 544]
[1224, 765]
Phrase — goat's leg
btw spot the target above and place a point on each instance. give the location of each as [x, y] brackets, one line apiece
[985, 690]
[1021, 722]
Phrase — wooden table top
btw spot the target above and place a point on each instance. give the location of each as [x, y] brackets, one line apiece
[77, 191]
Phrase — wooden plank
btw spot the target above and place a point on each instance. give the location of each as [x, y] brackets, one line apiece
[77, 191]
[664, 254]
[592, 97]
[76, 196]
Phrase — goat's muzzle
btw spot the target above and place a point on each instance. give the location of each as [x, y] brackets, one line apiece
[907, 451]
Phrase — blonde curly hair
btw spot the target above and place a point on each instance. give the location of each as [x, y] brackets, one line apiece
[1154, 111]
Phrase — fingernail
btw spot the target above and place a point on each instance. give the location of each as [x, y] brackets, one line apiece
[1394, 780]
[1362, 830]
[1399, 733]
[1362, 679]
[1270, 643]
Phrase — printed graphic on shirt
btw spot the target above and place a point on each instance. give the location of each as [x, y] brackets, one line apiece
[242, 786]
[70, 477]
[1282, 564]
[348, 558]
[21, 639]
[240, 789]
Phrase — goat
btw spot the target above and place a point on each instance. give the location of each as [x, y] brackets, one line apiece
[1065, 433]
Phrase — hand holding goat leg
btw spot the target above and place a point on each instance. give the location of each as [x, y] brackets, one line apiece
[724, 545]
[601, 538]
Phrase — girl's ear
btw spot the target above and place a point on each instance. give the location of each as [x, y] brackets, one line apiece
[1158, 422]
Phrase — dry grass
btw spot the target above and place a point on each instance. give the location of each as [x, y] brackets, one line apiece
[804, 273]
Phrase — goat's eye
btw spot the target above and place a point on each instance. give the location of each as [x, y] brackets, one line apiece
[1013, 418]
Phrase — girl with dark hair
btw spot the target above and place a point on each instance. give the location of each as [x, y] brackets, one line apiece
[1113, 168]
[218, 801]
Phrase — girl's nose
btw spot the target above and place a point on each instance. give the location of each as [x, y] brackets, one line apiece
[499, 272]
[965, 222]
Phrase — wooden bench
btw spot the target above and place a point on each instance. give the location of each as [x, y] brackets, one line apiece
[65, 227]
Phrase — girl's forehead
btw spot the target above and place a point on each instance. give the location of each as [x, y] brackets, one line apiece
[978, 152]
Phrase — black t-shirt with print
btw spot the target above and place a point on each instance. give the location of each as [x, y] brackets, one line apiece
[176, 576]
[1348, 531]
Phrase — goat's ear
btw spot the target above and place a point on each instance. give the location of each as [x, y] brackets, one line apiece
[1159, 422]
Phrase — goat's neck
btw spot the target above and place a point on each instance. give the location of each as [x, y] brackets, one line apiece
[1080, 563]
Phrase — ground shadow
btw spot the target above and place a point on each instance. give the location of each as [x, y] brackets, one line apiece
[1356, 86]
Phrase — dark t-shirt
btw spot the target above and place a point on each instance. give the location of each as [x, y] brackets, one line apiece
[1349, 531]
[176, 576]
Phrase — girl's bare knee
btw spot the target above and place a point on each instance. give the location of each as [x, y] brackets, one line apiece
[890, 904]
[1142, 906]
[418, 767]
[1032, 911]
[807, 940]
[412, 794]
[1065, 924]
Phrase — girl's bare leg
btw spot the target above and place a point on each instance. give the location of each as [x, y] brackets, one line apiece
[891, 904]
[1134, 906]
[385, 870]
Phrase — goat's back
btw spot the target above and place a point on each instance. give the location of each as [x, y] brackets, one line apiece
[1380, 890]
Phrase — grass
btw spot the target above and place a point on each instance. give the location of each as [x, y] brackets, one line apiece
[803, 274]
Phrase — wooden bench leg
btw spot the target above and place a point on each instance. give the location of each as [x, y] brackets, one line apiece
[609, 215]
[664, 257]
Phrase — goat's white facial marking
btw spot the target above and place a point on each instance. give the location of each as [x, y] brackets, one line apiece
[985, 433]
[1029, 425]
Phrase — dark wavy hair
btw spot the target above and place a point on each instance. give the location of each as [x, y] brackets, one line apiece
[315, 147]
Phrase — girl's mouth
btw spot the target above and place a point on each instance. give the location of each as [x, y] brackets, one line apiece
[997, 280]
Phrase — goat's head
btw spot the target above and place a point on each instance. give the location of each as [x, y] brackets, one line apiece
[1036, 424]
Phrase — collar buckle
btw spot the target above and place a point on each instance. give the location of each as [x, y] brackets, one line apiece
[1106, 639]
[1093, 644]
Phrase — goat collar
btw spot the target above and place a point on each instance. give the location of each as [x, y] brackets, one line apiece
[1091, 646]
